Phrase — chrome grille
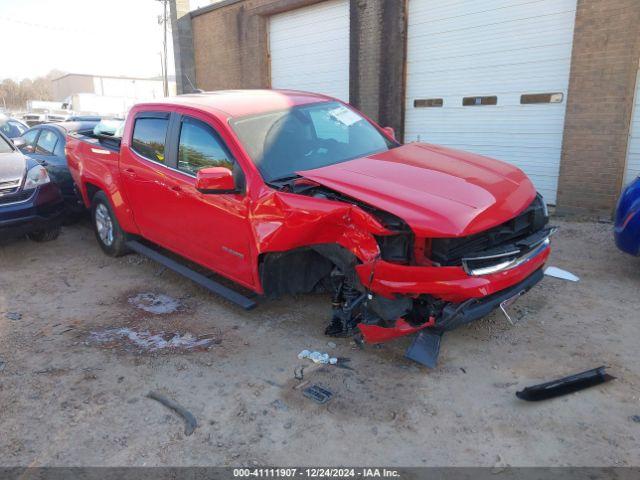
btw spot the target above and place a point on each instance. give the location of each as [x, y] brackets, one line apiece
[9, 187]
[22, 196]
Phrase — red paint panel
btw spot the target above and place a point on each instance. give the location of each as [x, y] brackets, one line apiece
[376, 334]
[439, 192]
[448, 283]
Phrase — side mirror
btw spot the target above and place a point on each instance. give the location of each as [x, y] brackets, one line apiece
[215, 180]
[18, 142]
[390, 131]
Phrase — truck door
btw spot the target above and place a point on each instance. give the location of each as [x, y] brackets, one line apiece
[144, 168]
[159, 171]
[215, 227]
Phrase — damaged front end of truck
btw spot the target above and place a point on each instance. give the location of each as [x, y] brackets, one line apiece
[388, 279]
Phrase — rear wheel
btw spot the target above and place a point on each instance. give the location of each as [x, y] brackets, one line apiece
[44, 235]
[110, 236]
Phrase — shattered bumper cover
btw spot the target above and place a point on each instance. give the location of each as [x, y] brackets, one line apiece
[453, 315]
[451, 284]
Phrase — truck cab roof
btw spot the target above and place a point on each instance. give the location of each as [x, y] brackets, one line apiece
[241, 103]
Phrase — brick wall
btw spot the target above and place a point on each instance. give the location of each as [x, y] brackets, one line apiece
[378, 46]
[230, 43]
[231, 51]
[604, 64]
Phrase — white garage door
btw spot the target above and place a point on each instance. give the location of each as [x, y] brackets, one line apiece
[633, 148]
[491, 77]
[309, 49]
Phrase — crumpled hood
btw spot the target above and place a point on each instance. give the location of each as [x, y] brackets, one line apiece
[438, 191]
[12, 166]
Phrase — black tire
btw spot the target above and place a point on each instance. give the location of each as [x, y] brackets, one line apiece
[111, 238]
[74, 213]
[45, 235]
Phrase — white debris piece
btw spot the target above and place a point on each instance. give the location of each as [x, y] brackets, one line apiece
[157, 303]
[318, 357]
[148, 341]
[559, 273]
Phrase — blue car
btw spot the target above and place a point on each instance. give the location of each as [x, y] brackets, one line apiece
[627, 227]
[11, 127]
[30, 203]
[45, 143]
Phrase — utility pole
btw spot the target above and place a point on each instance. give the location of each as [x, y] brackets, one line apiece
[164, 19]
[164, 90]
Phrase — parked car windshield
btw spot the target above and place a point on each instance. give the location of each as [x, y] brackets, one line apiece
[307, 137]
[12, 129]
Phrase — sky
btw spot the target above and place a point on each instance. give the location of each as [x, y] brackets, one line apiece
[104, 37]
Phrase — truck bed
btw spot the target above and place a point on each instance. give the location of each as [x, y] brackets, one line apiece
[92, 159]
[101, 141]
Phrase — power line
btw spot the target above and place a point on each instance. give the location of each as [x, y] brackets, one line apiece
[48, 27]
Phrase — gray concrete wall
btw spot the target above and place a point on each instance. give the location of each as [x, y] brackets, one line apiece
[183, 46]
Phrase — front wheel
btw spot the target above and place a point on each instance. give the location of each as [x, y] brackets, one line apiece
[110, 236]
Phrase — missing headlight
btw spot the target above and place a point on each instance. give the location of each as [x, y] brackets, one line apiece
[395, 248]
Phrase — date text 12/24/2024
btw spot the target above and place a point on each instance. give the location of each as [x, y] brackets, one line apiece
[315, 473]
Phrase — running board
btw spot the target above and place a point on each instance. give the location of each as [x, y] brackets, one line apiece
[200, 279]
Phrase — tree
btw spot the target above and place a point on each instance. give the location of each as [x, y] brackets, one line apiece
[14, 95]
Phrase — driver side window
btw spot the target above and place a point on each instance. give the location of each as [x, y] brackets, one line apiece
[200, 147]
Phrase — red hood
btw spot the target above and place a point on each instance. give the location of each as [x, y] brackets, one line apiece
[439, 192]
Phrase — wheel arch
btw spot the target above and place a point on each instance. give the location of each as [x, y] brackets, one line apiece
[304, 269]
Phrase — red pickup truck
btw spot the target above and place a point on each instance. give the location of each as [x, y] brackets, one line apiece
[288, 192]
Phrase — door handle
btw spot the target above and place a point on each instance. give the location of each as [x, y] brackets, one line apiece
[130, 172]
[176, 189]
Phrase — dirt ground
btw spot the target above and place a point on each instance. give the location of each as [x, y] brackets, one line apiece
[70, 397]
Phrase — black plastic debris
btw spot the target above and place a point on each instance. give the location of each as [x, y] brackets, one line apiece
[318, 394]
[563, 386]
[425, 348]
[343, 363]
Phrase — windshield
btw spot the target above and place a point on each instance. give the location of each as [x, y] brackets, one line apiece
[307, 137]
[5, 146]
[12, 129]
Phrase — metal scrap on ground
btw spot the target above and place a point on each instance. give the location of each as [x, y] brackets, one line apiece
[318, 393]
[190, 422]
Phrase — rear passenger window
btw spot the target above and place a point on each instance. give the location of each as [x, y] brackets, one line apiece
[200, 147]
[149, 137]
[30, 137]
[46, 142]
